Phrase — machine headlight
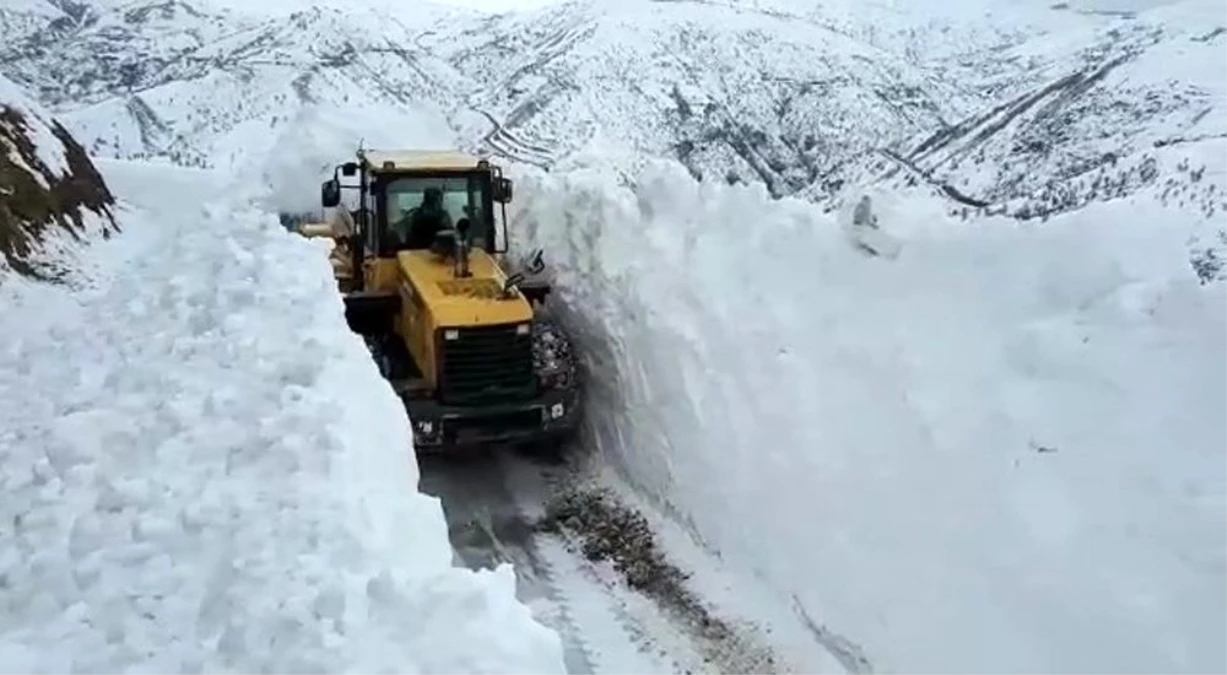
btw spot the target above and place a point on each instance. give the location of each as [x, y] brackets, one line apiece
[524, 329]
[557, 410]
[451, 334]
[425, 427]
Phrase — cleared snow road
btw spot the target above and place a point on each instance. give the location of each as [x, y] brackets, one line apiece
[487, 527]
[496, 506]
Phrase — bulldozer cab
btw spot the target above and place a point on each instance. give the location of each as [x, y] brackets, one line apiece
[407, 199]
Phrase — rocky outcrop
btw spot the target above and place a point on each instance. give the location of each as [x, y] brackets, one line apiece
[49, 189]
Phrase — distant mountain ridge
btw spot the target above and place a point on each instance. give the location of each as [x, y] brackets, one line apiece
[1013, 116]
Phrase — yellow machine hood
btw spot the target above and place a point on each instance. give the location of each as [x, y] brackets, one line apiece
[469, 301]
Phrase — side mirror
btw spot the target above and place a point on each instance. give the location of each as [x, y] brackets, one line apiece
[502, 190]
[330, 193]
[349, 168]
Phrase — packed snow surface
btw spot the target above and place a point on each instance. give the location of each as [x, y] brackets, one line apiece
[995, 447]
[204, 470]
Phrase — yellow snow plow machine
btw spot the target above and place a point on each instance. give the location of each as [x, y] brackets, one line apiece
[420, 260]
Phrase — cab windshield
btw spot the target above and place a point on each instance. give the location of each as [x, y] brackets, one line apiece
[418, 207]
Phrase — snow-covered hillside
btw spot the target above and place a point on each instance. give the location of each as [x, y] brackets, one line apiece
[1030, 109]
[1092, 117]
[20, 19]
[184, 493]
[205, 88]
[1001, 450]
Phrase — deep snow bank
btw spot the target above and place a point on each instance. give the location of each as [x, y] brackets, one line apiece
[1002, 450]
[203, 469]
[47, 186]
[293, 169]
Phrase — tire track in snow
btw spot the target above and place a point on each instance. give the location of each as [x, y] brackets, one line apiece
[487, 501]
[849, 654]
[496, 503]
[618, 641]
[487, 527]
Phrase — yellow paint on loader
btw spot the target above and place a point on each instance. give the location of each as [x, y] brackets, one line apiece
[462, 349]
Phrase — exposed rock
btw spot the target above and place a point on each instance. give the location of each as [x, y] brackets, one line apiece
[47, 184]
[607, 531]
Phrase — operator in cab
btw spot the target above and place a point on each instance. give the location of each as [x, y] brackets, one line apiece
[419, 226]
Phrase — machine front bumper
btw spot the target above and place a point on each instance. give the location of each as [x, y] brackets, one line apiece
[436, 426]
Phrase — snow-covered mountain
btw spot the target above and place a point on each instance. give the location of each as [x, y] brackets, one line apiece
[1027, 110]
[1090, 119]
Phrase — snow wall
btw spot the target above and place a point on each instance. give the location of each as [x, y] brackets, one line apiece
[293, 170]
[1003, 450]
[204, 470]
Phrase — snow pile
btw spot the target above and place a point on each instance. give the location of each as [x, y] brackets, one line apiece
[204, 470]
[46, 181]
[293, 169]
[1000, 448]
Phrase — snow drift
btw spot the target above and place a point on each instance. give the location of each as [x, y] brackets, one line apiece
[52, 194]
[204, 470]
[1001, 450]
[293, 170]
